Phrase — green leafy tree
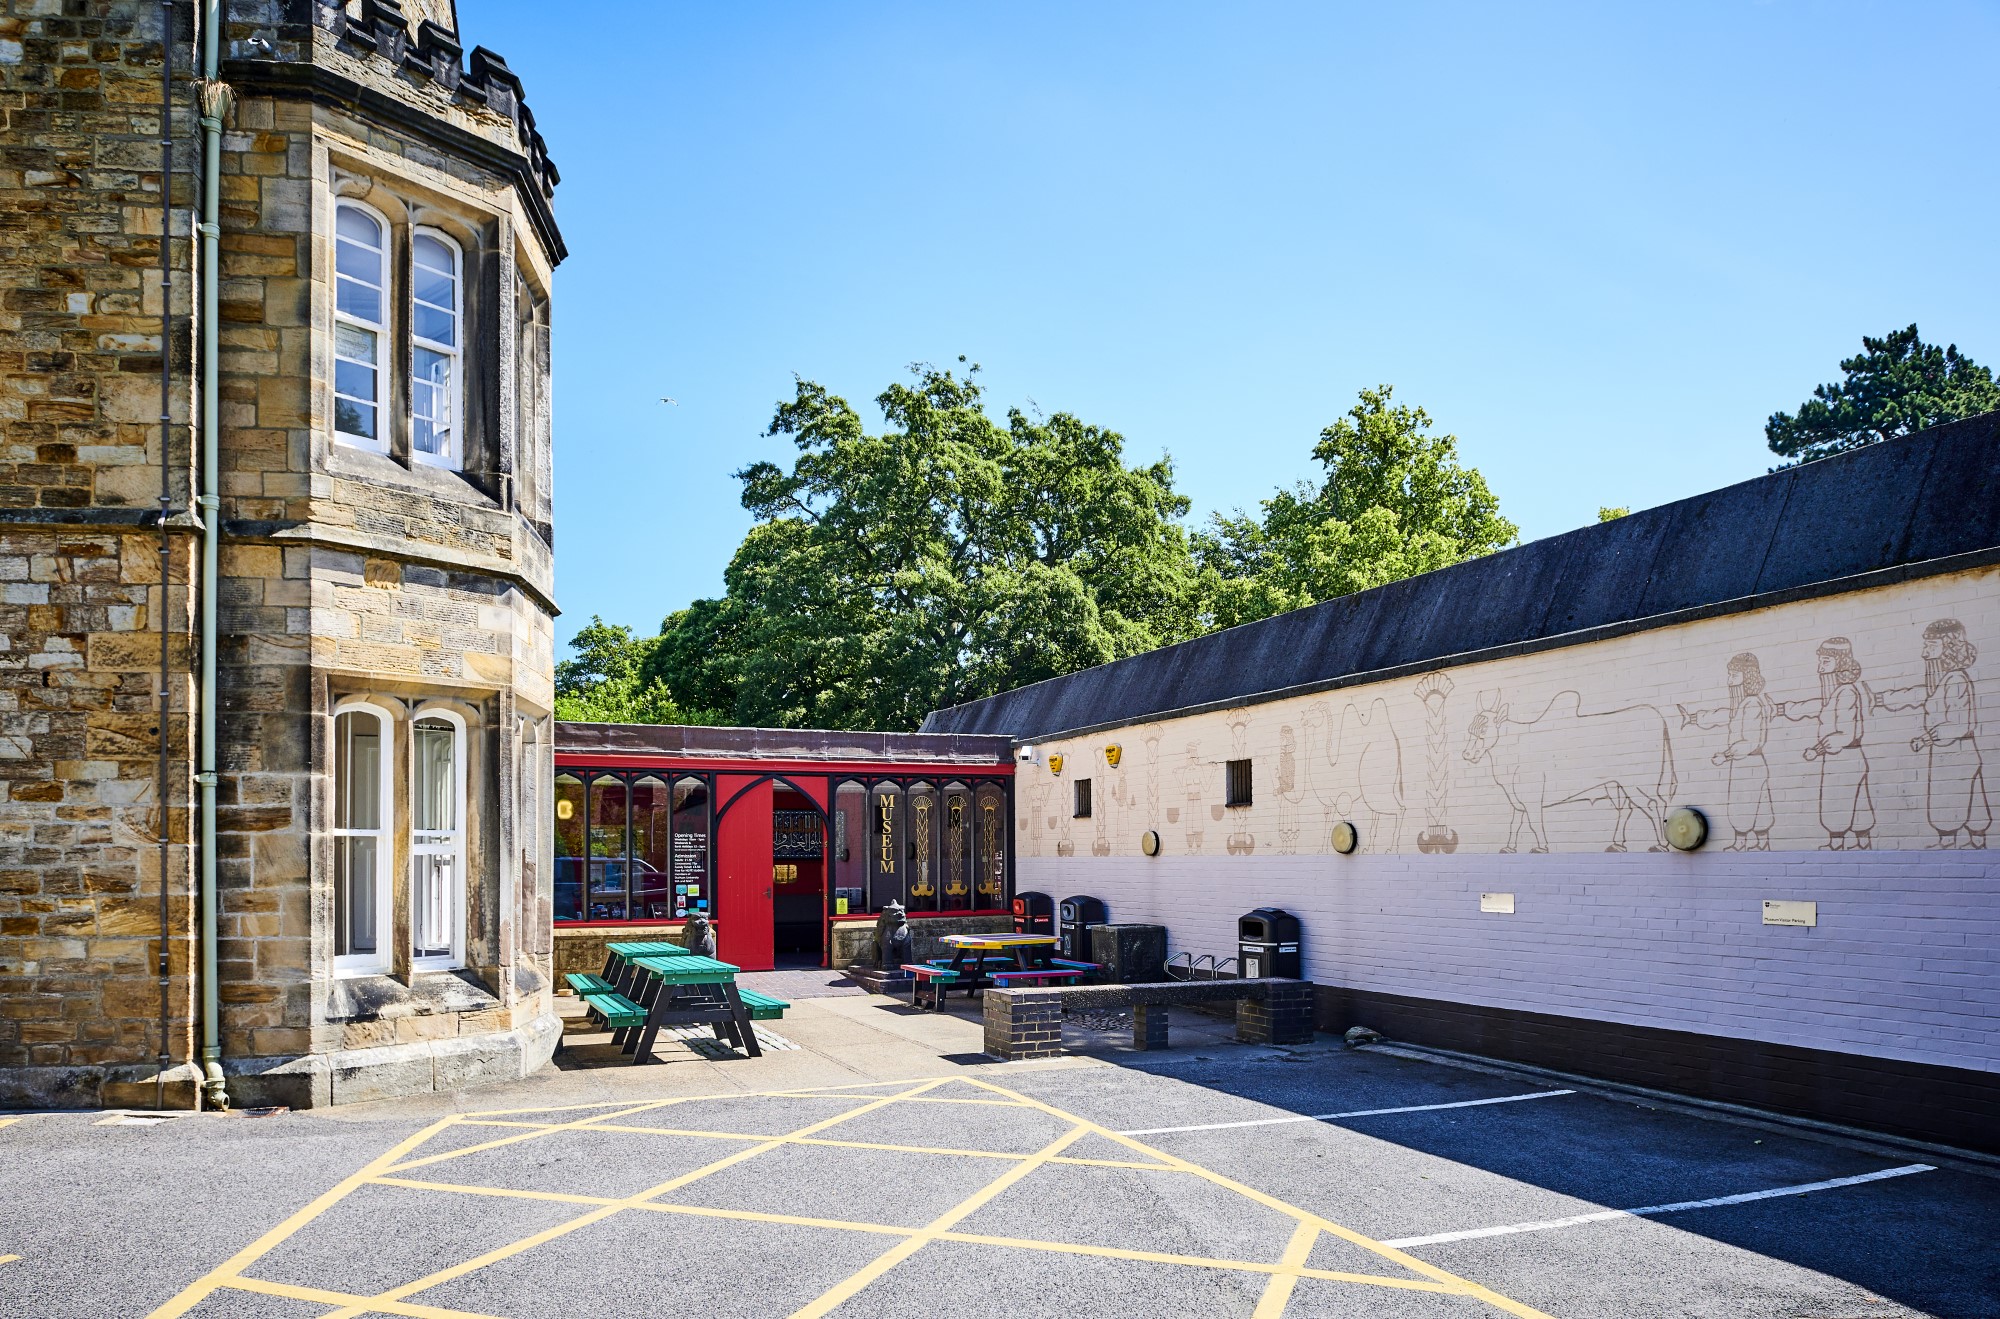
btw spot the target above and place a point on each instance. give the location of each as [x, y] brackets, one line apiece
[1608, 514]
[1394, 502]
[605, 682]
[946, 558]
[1897, 386]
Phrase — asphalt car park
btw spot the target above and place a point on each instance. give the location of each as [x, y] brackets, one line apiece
[1209, 1180]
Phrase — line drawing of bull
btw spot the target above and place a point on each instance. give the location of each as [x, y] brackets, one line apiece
[1357, 764]
[1624, 757]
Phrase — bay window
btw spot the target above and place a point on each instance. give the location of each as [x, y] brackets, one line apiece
[361, 813]
[360, 325]
[435, 378]
[437, 841]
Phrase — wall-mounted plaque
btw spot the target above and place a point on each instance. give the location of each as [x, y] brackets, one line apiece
[1779, 911]
[1502, 903]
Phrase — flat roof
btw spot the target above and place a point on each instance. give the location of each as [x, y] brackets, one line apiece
[832, 746]
[1903, 508]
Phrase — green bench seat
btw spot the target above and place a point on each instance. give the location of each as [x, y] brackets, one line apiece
[584, 984]
[615, 1010]
[762, 1006]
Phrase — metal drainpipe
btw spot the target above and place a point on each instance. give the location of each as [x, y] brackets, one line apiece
[163, 796]
[214, 104]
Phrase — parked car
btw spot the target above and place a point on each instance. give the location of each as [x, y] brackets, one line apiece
[651, 891]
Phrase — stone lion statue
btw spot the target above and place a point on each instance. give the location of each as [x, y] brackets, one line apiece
[698, 936]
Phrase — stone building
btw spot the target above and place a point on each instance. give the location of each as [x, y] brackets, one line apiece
[1465, 786]
[355, 367]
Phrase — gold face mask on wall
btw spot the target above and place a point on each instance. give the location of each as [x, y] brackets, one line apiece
[1055, 763]
[1113, 754]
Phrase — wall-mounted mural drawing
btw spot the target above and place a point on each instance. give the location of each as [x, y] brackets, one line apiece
[1846, 809]
[1748, 719]
[1536, 765]
[1437, 835]
[1113, 797]
[1039, 794]
[1192, 792]
[1956, 802]
[1291, 790]
[1362, 762]
[1240, 842]
[1153, 781]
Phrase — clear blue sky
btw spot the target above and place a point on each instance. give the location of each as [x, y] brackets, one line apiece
[1599, 243]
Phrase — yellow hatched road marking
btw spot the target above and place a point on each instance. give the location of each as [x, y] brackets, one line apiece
[803, 1140]
[1431, 1271]
[603, 1212]
[902, 1250]
[1278, 1291]
[325, 1297]
[1283, 1275]
[967, 1238]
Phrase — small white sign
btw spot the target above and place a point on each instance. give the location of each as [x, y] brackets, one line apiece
[1500, 902]
[1779, 911]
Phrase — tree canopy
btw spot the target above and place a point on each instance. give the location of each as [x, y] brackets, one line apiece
[947, 557]
[951, 556]
[1897, 386]
[1395, 502]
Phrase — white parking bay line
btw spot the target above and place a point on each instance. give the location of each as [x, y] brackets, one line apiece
[1606, 1215]
[1359, 1112]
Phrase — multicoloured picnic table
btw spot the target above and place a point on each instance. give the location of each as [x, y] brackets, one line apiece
[1030, 952]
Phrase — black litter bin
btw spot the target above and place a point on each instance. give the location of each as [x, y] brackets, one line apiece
[1130, 954]
[1079, 916]
[1034, 913]
[1267, 944]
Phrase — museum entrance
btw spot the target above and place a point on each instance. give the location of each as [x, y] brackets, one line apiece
[798, 880]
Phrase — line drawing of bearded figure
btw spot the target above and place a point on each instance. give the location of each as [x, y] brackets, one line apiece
[1956, 802]
[1846, 810]
[1748, 719]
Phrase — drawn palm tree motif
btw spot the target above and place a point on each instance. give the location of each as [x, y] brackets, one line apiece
[1437, 835]
[1536, 764]
[1363, 760]
[1153, 781]
[1039, 792]
[1955, 799]
[1112, 798]
[1192, 775]
[1240, 842]
[1291, 790]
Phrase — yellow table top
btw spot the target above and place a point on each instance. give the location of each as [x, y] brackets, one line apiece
[997, 940]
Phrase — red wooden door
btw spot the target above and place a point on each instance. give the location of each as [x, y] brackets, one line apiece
[743, 933]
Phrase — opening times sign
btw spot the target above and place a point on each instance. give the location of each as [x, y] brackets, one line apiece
[690, 875]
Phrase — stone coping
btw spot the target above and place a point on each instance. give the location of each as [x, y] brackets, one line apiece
[1168, 993]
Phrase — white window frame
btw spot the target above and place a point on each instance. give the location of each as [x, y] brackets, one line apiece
[440, 842]
[384, 354]
[375, 963]
[453, 456]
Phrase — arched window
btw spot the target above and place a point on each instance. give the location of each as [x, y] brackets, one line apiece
[361, 814]
[437, 840]
[436, 381]
[360, 326]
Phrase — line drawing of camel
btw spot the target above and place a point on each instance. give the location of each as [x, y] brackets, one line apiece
[1357, 766]
[1537, 765]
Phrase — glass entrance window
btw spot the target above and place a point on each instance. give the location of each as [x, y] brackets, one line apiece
[848, 849]
[922, 847]
[572, 849]
[990, 845]
[693, 878]
[652, 847]
[606, 898]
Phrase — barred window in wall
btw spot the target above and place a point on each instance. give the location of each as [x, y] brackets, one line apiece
[359, 325]
[437, 841]
[1237, 783]
[361, 812]
[436, 382]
